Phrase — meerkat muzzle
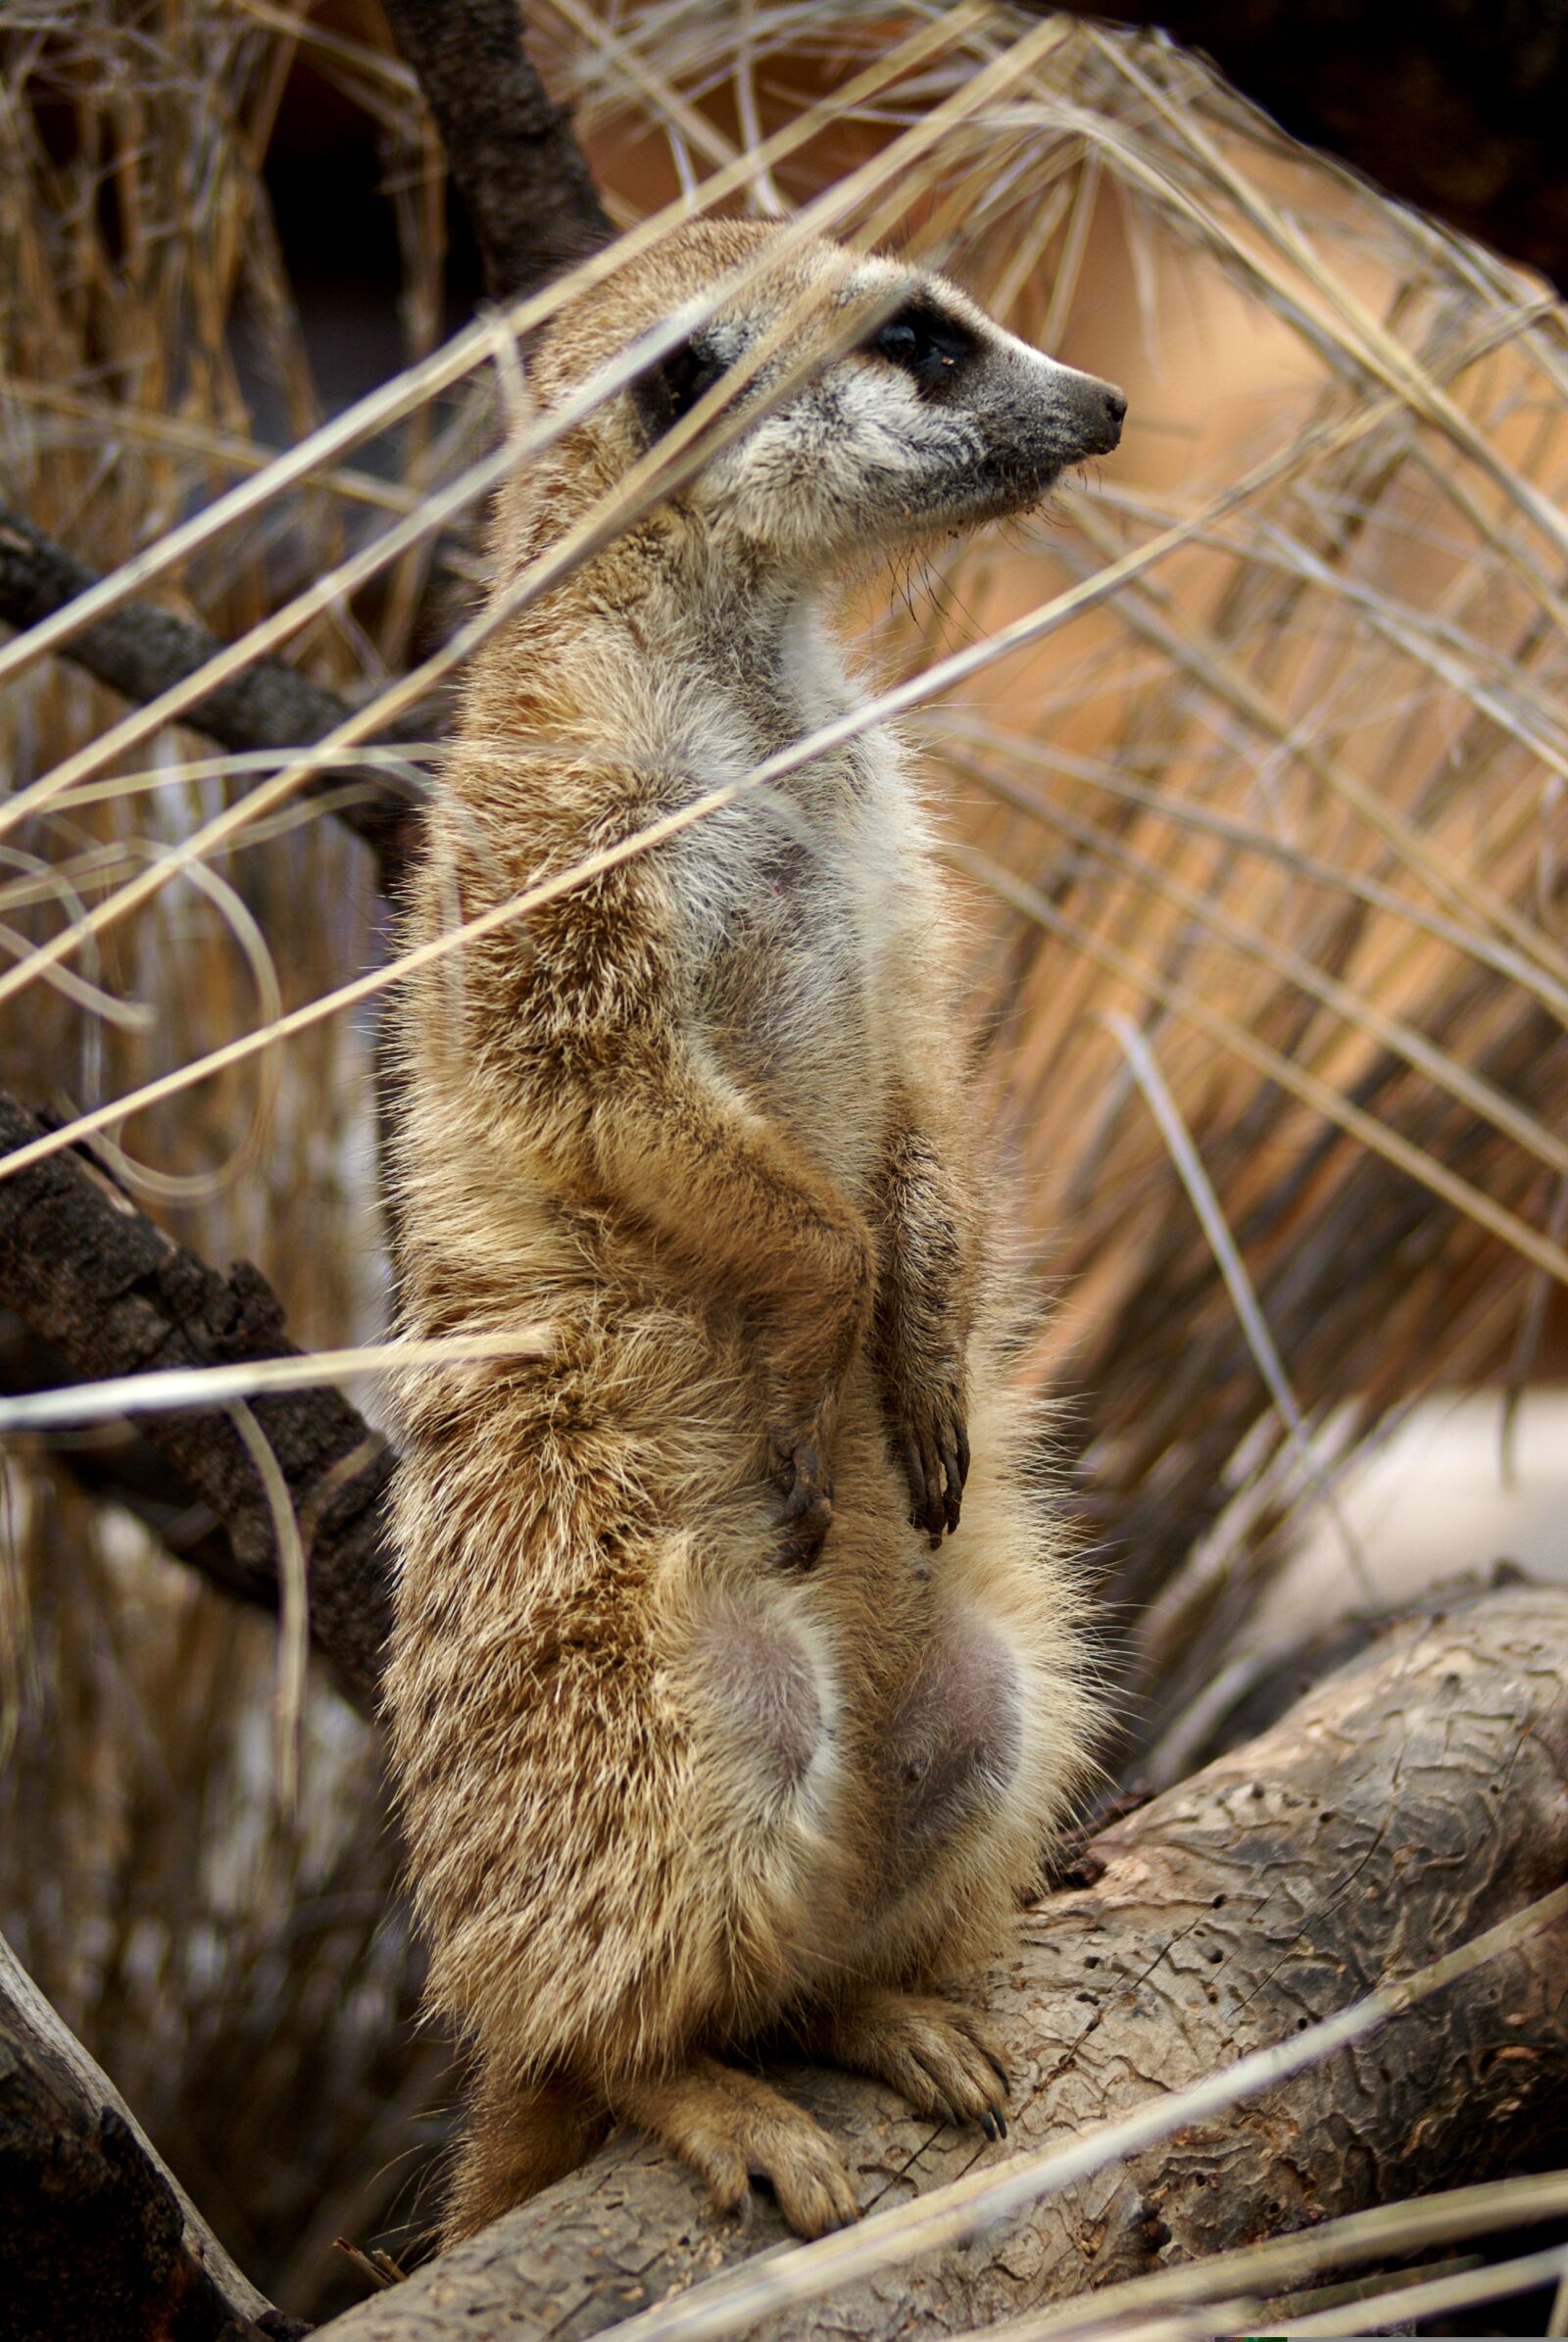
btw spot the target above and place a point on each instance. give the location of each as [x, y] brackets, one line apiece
[1097, 411]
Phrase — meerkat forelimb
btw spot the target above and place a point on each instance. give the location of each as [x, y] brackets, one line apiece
[736, 1680]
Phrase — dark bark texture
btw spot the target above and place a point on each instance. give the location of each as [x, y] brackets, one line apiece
[90, 1273]
[140, 651]
[511, 149]
[117, 1465]
[1410, 1800]
[98, 2242]
[1456, 106]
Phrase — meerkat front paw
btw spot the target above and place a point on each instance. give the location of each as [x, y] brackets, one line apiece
[800, 1449]
[730, 2127]
[943, 2060]
[800, 1472]
[932, 1443]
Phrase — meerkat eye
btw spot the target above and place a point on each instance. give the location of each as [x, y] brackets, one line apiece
[900, 340]
[923, 342]
[690, 373]
[672, 387]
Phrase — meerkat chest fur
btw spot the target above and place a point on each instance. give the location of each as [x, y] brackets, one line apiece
[798, 900]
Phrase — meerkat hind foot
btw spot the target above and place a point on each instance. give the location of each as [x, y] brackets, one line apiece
[944, 2060]
[729, 2127]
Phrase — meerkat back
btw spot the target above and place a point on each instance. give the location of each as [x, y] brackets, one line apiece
[735, 1679]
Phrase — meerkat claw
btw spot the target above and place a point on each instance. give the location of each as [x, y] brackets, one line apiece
[914, 1474]
[955, 1488]
[808, 1513]
[934, 2054]
[997, 2068]
[935, 1452]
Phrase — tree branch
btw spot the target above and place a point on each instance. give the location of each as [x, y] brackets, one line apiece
[140, 651]
[534, 210]
[511, 149]
[1358, 1838]
[102, 1283]
[97, 2237]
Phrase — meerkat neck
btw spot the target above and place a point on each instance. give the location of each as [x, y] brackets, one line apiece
[640, 630]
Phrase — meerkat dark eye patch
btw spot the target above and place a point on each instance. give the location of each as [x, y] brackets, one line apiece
[923, 342]
[672, 386]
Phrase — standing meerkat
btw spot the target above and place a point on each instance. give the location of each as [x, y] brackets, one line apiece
[710, 1714]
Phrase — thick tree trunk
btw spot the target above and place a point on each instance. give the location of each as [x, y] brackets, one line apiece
[511, 149]
[1407, 1803]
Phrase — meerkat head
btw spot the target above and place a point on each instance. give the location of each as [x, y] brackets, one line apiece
[916, 414]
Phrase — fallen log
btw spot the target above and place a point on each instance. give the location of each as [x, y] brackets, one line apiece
[1408, 1802]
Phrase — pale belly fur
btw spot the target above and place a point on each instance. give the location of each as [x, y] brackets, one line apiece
[791, 954]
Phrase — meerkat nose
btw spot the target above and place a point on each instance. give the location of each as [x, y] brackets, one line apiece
[1098, 410]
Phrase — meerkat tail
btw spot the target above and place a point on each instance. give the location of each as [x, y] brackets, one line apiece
[520, 2139]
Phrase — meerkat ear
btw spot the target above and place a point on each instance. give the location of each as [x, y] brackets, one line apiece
[672, 387]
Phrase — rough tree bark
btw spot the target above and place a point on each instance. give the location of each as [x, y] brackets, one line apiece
[1408, 1802]
[113, 1295]
[117, 1465]
[510, 148]
[97, 2239]
[140, 651]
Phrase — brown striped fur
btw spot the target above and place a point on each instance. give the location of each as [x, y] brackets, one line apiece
[698, 1732]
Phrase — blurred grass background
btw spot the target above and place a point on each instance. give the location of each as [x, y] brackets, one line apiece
[1264, 856]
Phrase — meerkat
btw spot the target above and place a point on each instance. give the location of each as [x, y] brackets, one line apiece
[726, 1694]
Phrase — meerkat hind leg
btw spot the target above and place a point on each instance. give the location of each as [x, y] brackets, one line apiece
[729, 2127]
[944, 2060]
